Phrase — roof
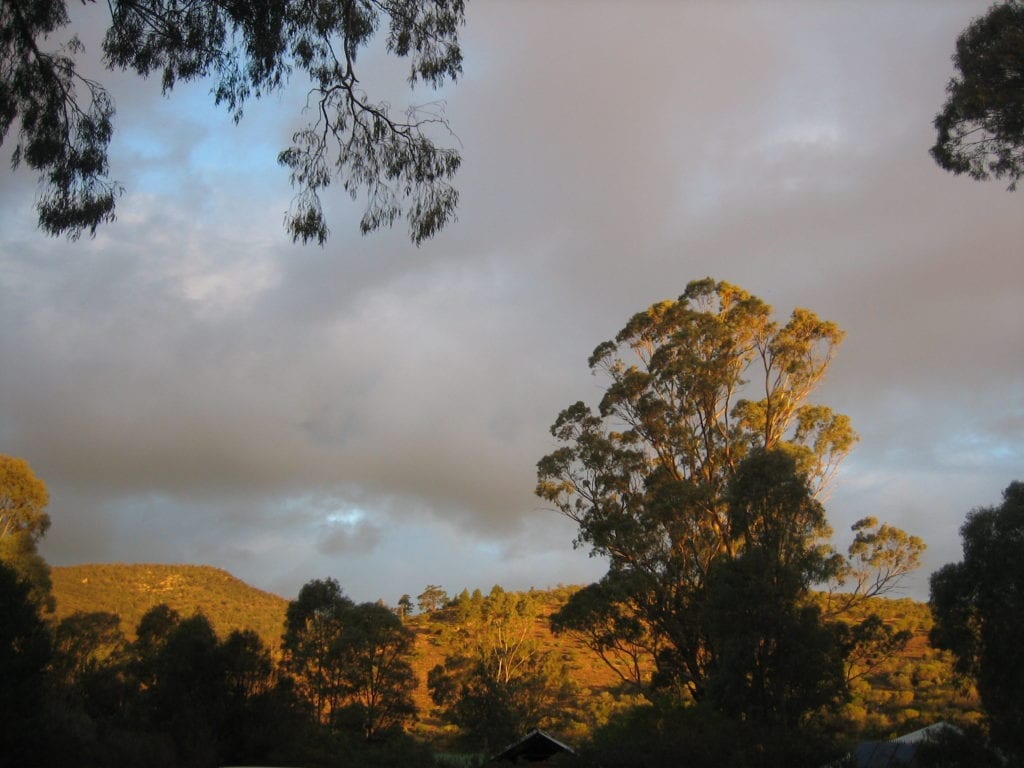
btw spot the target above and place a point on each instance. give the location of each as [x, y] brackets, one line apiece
[895, 752]
[534, 747]
[884, 754]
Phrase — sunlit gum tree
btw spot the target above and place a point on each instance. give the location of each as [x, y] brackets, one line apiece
[694, 387]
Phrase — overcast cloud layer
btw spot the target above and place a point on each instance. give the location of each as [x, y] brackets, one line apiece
[194, 388]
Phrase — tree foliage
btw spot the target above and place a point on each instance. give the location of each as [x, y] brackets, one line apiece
[432, 598]
[86, 646]
[313, 624]
[773, 658]
[697, 387]
[496, 682]
[25, 650]
[23, 500]
[350, 661]
[23, 522]
[247, 50]
[980, 130]
[377, 680]
[405, 607]
[978, 605]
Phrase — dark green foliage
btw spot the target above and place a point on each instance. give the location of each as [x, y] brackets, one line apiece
[980, 130]
[89, 651]
[405, 607]
[207, 701]
[25, 650]
[698, 479]
[602, 614]
[20, 552]
[246, 49]
[978, 606]
[955, 748]
[186, 690]
[700, 737]
[774, 659]
[63, 134]
[871, 642]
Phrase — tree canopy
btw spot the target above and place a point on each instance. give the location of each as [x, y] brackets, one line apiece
[65, 121]
[23, 499]
[351, 661]
[980, 129]
[978, 605]
[23, 521]
[496, 682]
[703, 464]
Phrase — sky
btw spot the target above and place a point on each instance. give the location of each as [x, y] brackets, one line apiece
[194, 388]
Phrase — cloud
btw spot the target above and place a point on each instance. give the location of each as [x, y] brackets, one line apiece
[193, 387]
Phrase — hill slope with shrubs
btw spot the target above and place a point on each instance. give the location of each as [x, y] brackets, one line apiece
[915, 688]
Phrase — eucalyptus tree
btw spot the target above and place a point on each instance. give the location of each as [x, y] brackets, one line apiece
[980, 129]
[23, 500]
[313, 624]
[978, 605]
[378, 681]
[497, 681]
[696, 386]
[23, 522]
[351, 661]
[65, 120]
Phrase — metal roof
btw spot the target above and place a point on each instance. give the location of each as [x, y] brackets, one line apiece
[534, 747]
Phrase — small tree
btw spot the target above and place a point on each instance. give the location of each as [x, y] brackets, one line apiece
[405, 607]
[432, 598]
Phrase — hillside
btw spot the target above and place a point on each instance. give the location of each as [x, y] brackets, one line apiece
[131, 590]
[913, 689]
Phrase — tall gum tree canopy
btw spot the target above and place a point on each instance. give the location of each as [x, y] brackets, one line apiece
[695, 386]
[978, 605]
[64, 121]
[980, 130]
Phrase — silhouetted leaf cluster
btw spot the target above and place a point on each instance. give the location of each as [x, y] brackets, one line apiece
[246, 49]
